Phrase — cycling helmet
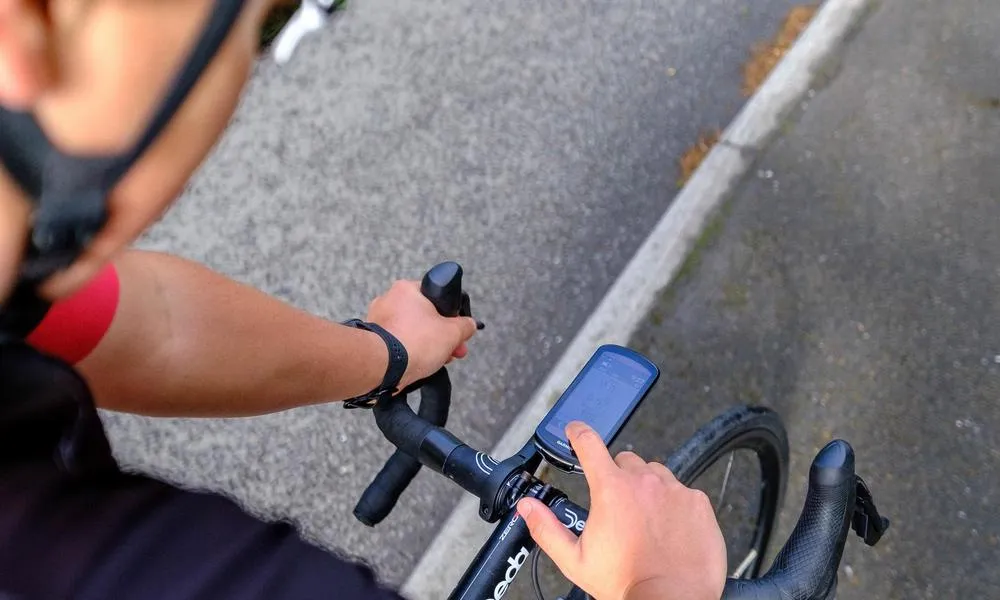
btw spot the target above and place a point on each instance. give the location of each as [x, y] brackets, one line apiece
[69, 192]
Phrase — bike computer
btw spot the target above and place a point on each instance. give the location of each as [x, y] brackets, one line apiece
[603, 395]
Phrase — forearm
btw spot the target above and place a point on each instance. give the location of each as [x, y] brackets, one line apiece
[189, 342]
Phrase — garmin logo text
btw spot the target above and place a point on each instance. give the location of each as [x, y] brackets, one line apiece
[515, 563]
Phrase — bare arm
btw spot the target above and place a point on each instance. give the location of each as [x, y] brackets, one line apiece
[186, 341]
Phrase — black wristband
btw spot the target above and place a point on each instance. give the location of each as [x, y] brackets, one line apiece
[394, 371]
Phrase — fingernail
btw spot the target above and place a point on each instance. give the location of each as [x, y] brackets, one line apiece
[524, 508]
[575, 427]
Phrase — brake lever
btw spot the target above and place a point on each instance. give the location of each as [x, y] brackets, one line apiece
[311, 16]
[866, 521]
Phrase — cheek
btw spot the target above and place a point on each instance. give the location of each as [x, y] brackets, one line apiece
[161, 174]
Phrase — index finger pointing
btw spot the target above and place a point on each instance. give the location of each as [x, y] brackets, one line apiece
[591, 451]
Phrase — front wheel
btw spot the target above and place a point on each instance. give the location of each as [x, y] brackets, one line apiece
[740, 459]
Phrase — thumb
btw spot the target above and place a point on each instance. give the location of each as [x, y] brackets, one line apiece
[550, 534]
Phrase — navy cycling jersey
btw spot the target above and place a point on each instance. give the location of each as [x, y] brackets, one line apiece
[74, 526]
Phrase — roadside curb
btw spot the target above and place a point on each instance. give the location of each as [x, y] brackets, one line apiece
[651, 269]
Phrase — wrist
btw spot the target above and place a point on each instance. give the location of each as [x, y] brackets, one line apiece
[376, 349]
[392, 362]
[373, 360]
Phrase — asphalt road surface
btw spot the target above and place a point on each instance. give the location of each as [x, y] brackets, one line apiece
[534, 142]
[852, 286]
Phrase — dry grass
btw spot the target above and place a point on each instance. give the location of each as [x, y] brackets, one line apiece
[692, 158]
[766, 55]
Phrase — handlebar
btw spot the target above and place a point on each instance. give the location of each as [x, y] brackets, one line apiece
[403, 428]
[804, 569]
[411, 432]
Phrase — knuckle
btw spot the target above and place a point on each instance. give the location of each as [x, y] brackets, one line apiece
[700, 499]
[650, 480]
[467, 327]
[664, 474]
[665, 471]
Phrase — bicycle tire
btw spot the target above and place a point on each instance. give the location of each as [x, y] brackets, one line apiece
[752, 428]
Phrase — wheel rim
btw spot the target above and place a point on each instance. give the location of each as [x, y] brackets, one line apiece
[765, 501]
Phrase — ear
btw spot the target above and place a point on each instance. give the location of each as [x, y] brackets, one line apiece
[26, 67]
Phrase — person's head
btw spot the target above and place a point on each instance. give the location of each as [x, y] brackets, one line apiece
[92, 74]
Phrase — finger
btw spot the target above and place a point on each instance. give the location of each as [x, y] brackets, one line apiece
[663, 473]
[68, 281]
[408, 289]
[550, 534]
[402, 288]
[593, 454]
[126, 221]
[466, 327]
[461, 352]
[630, 461]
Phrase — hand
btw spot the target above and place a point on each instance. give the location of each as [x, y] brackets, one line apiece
[431, 341]
[647, 536]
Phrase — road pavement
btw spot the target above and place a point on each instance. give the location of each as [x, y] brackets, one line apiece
[534, 142]
[852, 285]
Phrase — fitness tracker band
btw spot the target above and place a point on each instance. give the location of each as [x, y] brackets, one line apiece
[393, 373]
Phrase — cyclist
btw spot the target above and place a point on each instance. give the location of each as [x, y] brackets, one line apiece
[106, 109]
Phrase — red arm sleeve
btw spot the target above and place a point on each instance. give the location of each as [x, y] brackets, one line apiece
[74, 326]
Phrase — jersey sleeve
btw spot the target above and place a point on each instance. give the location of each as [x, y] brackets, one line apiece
[74, 326]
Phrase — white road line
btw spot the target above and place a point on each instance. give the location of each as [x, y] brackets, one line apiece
[651, 269]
